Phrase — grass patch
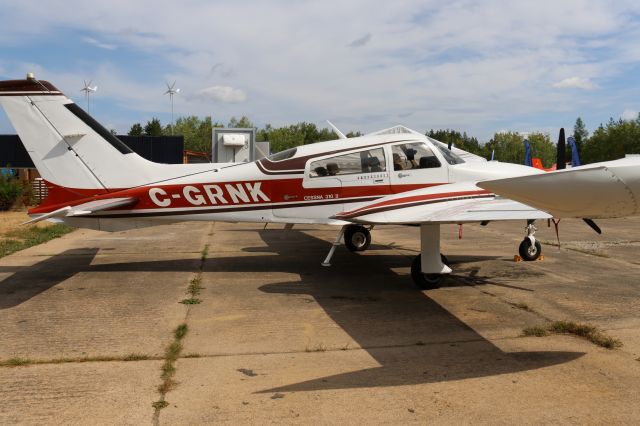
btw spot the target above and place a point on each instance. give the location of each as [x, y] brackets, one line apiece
[181, 331]
[586, 331]
[158, 405]
[23, 238]
[205, 253]
[136, 357]
[16, 362]
[191, 301]
[536, 331]
[195, 286]
[172, 353]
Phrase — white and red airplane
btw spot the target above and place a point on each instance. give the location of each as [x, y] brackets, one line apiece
[395, 176]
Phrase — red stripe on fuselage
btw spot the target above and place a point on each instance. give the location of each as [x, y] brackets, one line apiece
[408, 200]
[218, 194]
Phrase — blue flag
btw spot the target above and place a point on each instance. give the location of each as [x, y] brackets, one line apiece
[527, 154]
[575, 156]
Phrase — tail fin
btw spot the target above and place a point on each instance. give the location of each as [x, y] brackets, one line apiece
[68, 147]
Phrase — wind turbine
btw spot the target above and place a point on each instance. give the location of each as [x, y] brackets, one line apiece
[171, 91]
[87, 89]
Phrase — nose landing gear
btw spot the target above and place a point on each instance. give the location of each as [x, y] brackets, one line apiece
[530, 249]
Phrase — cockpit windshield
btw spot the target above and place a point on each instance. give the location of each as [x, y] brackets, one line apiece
[283, 155]
[448, 155]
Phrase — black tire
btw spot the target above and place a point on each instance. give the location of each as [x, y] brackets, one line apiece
[357, 238]
[529, 252]
[426, 281]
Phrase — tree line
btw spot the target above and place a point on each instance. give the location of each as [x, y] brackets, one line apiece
[608, 142]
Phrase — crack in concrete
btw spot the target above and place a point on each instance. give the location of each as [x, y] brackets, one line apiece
[174, 349]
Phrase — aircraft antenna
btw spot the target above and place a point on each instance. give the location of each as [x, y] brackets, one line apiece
[87, 89]
[171, 91]
[338, 132]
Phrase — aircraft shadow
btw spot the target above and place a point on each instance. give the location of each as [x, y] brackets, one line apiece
[413, 338]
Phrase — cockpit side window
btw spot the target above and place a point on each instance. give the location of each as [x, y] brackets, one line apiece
[283, 155]
[411, 156]
[369, 161]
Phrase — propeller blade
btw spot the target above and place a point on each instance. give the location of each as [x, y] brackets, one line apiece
[561, 162]
[592, 225]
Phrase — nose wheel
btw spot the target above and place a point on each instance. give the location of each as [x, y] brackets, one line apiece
[357, 238]
[530, 249]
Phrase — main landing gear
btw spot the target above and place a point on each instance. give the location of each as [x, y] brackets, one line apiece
[357, 238]
[427, 281]
[530, 249]
[430, 268]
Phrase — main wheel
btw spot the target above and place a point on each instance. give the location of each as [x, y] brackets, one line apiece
[528, 251]
[357, 238]
[426, 281]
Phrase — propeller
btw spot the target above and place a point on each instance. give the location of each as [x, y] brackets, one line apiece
[575, 161]
[561, 162]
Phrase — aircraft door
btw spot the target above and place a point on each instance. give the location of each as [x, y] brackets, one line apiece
[363, 174]
[415, 165]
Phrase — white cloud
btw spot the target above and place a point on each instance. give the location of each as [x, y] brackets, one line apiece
[98, 43]
[222, 94]
[629, 114]
[574, 83]
[467, 64]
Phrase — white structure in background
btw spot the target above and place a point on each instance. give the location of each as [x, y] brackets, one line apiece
[231, 145]
[171, 91]
[87, 89]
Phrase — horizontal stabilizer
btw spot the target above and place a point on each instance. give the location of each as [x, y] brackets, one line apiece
[86, 208]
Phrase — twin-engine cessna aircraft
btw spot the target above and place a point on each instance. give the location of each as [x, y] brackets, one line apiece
[395, 176]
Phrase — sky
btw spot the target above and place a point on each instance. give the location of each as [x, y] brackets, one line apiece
[474, 66]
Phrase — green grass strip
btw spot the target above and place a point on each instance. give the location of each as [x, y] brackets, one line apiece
[23, 238]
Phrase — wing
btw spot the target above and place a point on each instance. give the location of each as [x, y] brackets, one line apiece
[86, 208]
[450, 203]
[601, 190]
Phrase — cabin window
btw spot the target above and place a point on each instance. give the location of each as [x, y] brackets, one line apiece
[410, 156]
[369, 161]
[283, 155]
